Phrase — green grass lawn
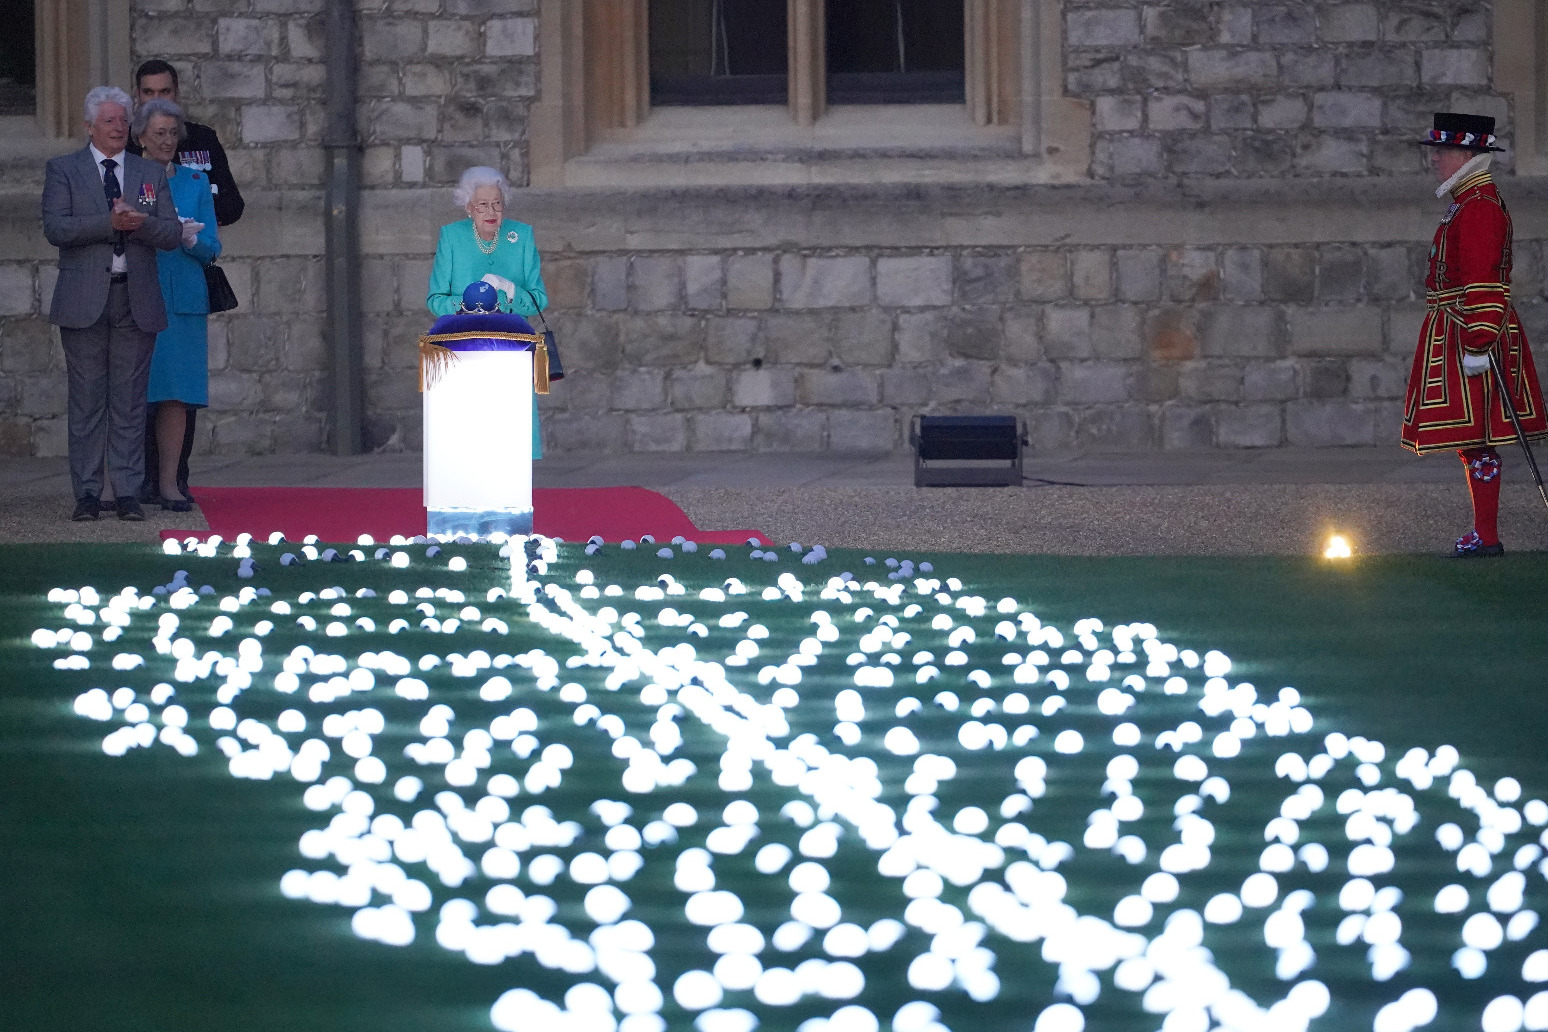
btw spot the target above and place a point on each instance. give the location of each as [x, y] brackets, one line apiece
[154, 890]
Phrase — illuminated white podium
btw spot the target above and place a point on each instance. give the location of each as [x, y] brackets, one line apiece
[478, 372]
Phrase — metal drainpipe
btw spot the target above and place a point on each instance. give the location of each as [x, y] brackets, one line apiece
[341, 200]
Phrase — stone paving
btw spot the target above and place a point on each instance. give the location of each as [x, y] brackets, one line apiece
[1279, 501]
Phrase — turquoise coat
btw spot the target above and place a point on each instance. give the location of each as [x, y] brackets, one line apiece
[180, 365]
[459, 262]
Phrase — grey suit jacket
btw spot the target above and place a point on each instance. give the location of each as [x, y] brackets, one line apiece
[76, 219]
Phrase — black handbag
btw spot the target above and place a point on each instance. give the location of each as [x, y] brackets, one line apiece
[222, 297]
[555, 366]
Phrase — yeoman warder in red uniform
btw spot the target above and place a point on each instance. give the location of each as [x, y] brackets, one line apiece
[1453, 400]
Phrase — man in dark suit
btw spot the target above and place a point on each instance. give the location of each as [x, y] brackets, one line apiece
[107, 211]
[200, 150]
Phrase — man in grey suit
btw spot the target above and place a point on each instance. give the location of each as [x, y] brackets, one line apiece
[107, 211]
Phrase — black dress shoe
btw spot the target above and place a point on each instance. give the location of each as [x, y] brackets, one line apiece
[129, 509]
[87, 509]
[1471, 546]
[174, 504]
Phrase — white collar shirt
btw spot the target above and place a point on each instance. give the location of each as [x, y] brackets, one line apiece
[120, 262]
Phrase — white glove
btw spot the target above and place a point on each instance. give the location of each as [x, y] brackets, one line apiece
[190, 231]
[501, 284]
[1474, 365]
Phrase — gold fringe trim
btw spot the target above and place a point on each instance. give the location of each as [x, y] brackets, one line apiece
[435, 359]
[437, 338]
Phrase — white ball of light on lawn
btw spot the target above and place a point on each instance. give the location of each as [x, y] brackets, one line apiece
[1133, 912]
[1483, 932]
[1259, 890]
[1535, 967]
[1356, 894]
[1216, 664]
[930, 972]
[697, 990]
[713, 907]
[841, 981]
[1223, 908]
[605, 904]
[1126, 735]
[1190, 768]
[1382, 929]
[370, 770]
[1503, 1014]
[1470, 963]
[809, 876]
[778, 987]
[1061, 1017]
[845, 940]
[1505, 896]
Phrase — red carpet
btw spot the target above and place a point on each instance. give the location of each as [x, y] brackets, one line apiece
[345, 513]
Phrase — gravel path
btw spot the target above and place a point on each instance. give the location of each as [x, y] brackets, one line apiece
[1280, 502]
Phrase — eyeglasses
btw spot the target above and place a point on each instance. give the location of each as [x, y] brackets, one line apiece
[169, 133]
[489, 207]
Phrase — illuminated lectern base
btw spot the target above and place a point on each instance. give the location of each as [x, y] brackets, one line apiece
[479, 523]
[478, 433]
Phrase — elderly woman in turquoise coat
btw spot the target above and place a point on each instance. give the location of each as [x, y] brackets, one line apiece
[180, 365]
[490, 247]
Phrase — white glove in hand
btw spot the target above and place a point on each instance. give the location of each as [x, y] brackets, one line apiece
[1475, 365]
[501, 284]
[191, 231]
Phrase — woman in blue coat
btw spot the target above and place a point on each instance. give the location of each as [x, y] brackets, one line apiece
[490, 247]
[180, 365]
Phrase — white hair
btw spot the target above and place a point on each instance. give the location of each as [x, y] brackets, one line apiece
[475, 177]
[150, 109]
[106, 95]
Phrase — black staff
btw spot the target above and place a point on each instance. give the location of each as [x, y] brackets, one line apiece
[1515, 421]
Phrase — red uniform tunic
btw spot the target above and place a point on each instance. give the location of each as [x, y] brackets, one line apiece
[1468, 296]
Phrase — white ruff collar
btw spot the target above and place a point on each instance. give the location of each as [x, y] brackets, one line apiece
[1474, 164]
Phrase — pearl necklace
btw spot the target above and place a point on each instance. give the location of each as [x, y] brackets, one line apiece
[488, 248]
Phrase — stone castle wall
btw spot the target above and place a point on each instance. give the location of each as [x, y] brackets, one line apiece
[1272, 90]
[1243, 269]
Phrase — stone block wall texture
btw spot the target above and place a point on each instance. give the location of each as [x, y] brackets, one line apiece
[1235, 89]
[1095, 347]
[720, 332]
[443, 84]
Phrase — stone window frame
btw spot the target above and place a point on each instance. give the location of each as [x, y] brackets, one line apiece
[1521, 71]
[79, 44]
[593, 125]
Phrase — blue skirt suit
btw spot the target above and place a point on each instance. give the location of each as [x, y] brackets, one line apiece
[460, 260]
[180, 365]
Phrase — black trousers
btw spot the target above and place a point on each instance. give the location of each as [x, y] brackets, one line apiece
[152, 488]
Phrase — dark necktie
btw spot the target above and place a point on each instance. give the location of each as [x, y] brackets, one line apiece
[112, 191]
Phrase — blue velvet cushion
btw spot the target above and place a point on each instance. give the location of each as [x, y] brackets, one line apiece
[477, 322]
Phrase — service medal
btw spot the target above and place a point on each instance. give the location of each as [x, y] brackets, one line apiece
[1450, 213]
